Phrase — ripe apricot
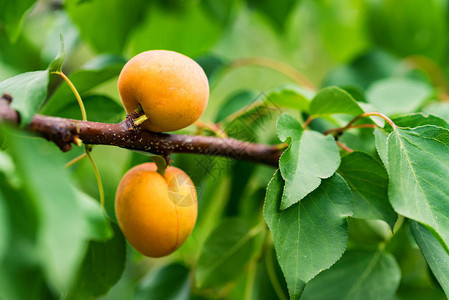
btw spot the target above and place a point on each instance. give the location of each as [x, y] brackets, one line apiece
[156, 213]
[171, 88]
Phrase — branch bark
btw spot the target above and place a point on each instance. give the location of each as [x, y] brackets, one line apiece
[63, 133]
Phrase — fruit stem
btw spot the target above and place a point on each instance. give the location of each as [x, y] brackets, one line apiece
[140, 120]
[75, 160]
[86, 147]
[97, 175]
[76, 93]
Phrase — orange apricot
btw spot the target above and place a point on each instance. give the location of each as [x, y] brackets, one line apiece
[171, 88]
[156, 213]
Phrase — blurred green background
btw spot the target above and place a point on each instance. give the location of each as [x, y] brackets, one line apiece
[248, 49]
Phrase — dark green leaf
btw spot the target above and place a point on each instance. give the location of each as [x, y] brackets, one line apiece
[101, 268]
[99, 108]
[66, 222]
[234, 103]
[168, 282]
[28, 91]
[277, 12]
[309, 158]
[398, 95]
[435, 254]
[109, 30]
[56, 64]
[94, 73]
[357, 275]
[4, 228]
[195, 30]
[211, 64]
[334, 100]
[11, 15]
[364, 70]
[368, 181]
[226, 251]
[421, 28]
[418, 170]
[311, 235]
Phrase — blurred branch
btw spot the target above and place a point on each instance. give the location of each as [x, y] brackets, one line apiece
[276, 65]
[64, 132]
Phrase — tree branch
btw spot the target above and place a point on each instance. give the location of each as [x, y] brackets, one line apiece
[63, 132]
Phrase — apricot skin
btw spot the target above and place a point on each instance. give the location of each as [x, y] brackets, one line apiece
[171, 88]
[146, 211]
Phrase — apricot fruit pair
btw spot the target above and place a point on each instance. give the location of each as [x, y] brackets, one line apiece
[156, 213]
[172, 89]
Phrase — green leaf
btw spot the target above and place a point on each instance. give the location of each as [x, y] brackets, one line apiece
[101, 268]
[290, 96]
[309, 158]
[419, 119]
[99, 70]
[168, 282]
[11, 15]
[436, 256]
[56, 64]
[28, 91]
[398, 95]
[66, 223]
[381, 137]
[368, 181]
[212, 65]
[420, 30]
[234, 103]
[277, 12]
[288, 127]
[195, 30]
[227, 250]
[4, 228]
[364, 70]
[357, 275]
[418, 169]
[109, 30]
[334, 100]
[440, 109]
[311, 235]
[342, 36]
[99, 108]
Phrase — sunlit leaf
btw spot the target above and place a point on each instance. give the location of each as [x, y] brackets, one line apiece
[334, 100]
[418, 170]
[309, 158]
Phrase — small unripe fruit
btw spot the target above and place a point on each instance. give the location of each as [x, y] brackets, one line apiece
[156, 213]
[171, 88]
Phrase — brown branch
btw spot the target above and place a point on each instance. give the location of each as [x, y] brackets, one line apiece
[63, 132]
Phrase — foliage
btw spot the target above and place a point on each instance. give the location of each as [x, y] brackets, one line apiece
[358, 208]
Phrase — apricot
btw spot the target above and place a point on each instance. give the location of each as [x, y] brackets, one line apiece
[171, 88]
[156, 213]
